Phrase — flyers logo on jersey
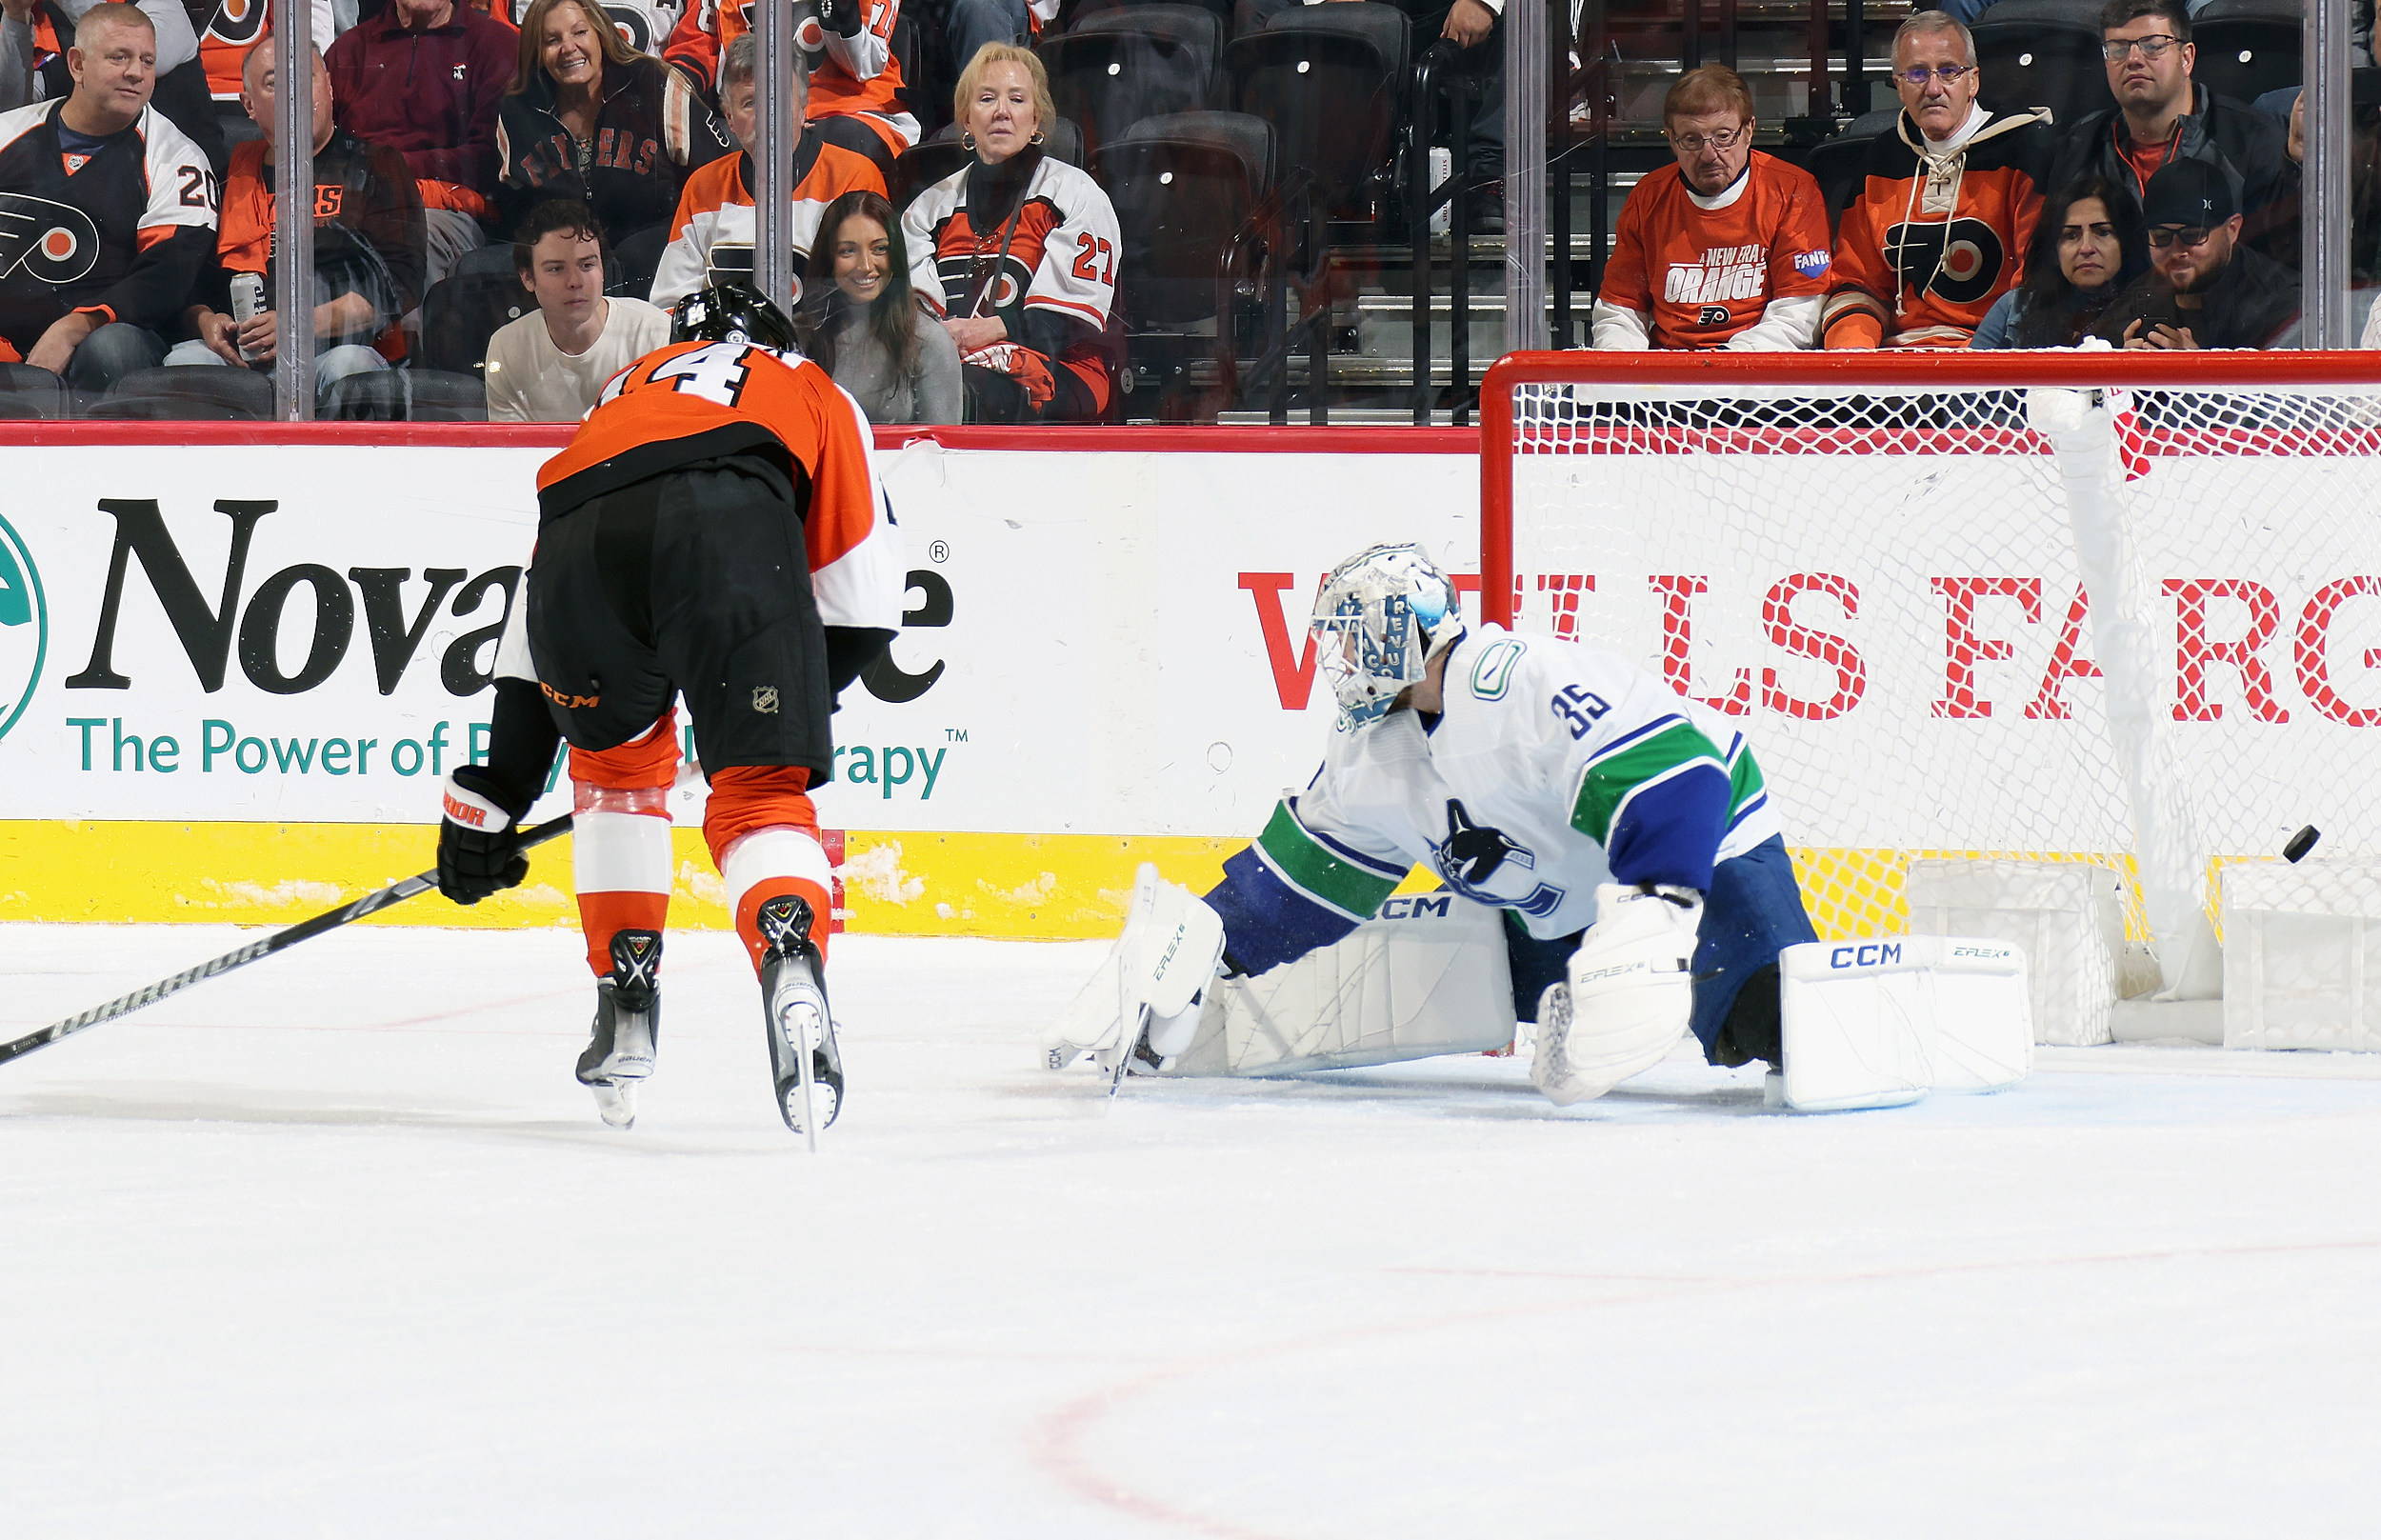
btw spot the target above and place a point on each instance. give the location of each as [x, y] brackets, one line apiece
[1961, 260]
[237, 22]
[53, 242]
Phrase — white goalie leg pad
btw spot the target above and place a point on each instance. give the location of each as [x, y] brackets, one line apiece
[1157, 971]
[1983, 1012]
[1857, 1024]
[1426, 977]
[1630, 998]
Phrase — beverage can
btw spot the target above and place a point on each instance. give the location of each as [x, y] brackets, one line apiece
[247, 300]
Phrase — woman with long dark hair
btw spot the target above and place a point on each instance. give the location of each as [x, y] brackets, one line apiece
[863, 323]
[589, 118]
[2086, 247]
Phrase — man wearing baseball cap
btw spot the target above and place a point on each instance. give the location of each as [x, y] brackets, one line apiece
[2204, 288]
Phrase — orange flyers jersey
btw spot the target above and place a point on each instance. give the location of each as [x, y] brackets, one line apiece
[713, 232]
[695, 401]
[232, 28]
[1929, 241]
[1704, 269]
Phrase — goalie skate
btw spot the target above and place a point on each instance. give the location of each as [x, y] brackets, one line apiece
[621, 1046]
[805, 1064]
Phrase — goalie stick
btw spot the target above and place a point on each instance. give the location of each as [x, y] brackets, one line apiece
[396, 893]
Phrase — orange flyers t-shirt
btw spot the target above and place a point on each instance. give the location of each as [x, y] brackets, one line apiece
[1705, 274]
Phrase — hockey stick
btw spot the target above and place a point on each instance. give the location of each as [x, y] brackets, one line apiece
[396, 893]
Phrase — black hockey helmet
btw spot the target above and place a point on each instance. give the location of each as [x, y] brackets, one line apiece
[731, 312]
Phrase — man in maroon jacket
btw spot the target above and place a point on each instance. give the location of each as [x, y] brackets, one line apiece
[425, 79]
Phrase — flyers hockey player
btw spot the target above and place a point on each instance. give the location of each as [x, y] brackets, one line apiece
[714, 531]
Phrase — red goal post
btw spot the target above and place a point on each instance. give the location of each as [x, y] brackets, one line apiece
[2120, 607]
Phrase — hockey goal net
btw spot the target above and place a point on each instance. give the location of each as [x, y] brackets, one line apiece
[2118, 608]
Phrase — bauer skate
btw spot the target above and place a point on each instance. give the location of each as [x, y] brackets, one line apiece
[627, 1026]
[805, 1064]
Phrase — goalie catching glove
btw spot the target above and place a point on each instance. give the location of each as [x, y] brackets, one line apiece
[1630, 997]
[477, 847]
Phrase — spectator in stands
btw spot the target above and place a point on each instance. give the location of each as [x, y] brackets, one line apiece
[1947, 207]
[2082, 257]
[35, 35]
[854, 81]
[863, 323]
[426, 78]
[2275, 230]
[2161, 117]
[1017, 252]
[551, 365]
[368, 245]
[1730, 250]
[125, 204]
[586, 117]
[2205, 288]
[711, 236]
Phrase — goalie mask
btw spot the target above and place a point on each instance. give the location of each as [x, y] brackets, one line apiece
[1382, 615]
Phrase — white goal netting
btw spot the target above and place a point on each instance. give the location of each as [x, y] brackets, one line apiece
[2044, 606]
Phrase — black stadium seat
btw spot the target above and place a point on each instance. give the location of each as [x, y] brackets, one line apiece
[1185, 187]
[197, 392]
[1836, 164]
[2041, 62]
[1328, 79]
[459, 314]
[2248, 48]
[1119, 67]
[407, 395]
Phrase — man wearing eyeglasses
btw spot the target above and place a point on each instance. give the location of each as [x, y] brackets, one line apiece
[1939, 228]
[2204, 288]
[2161, 117]
[1727, 251]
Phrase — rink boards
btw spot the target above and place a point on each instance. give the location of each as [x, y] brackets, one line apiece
[242, 667]
[232, 672]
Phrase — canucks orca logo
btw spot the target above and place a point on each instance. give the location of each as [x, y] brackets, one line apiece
[24, 627]
[1471, 854]
[54, 242]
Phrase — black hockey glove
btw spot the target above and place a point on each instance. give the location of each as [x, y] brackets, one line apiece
[476, 843]
[844, 16]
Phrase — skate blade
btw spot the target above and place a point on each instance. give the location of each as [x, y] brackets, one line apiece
[615, 1103]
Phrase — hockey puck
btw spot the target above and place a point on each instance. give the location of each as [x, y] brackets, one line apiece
[2300, 844]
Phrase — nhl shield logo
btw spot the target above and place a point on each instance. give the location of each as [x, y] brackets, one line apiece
[765, 699]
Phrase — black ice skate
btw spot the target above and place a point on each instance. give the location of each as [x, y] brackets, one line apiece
[627, 1026]
[801, 1031]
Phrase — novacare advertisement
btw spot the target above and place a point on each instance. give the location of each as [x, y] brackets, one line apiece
[1103, 651]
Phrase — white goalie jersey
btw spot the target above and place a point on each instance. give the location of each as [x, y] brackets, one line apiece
[1553, 768]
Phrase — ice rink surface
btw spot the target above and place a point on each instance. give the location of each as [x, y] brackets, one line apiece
[336, 1247]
